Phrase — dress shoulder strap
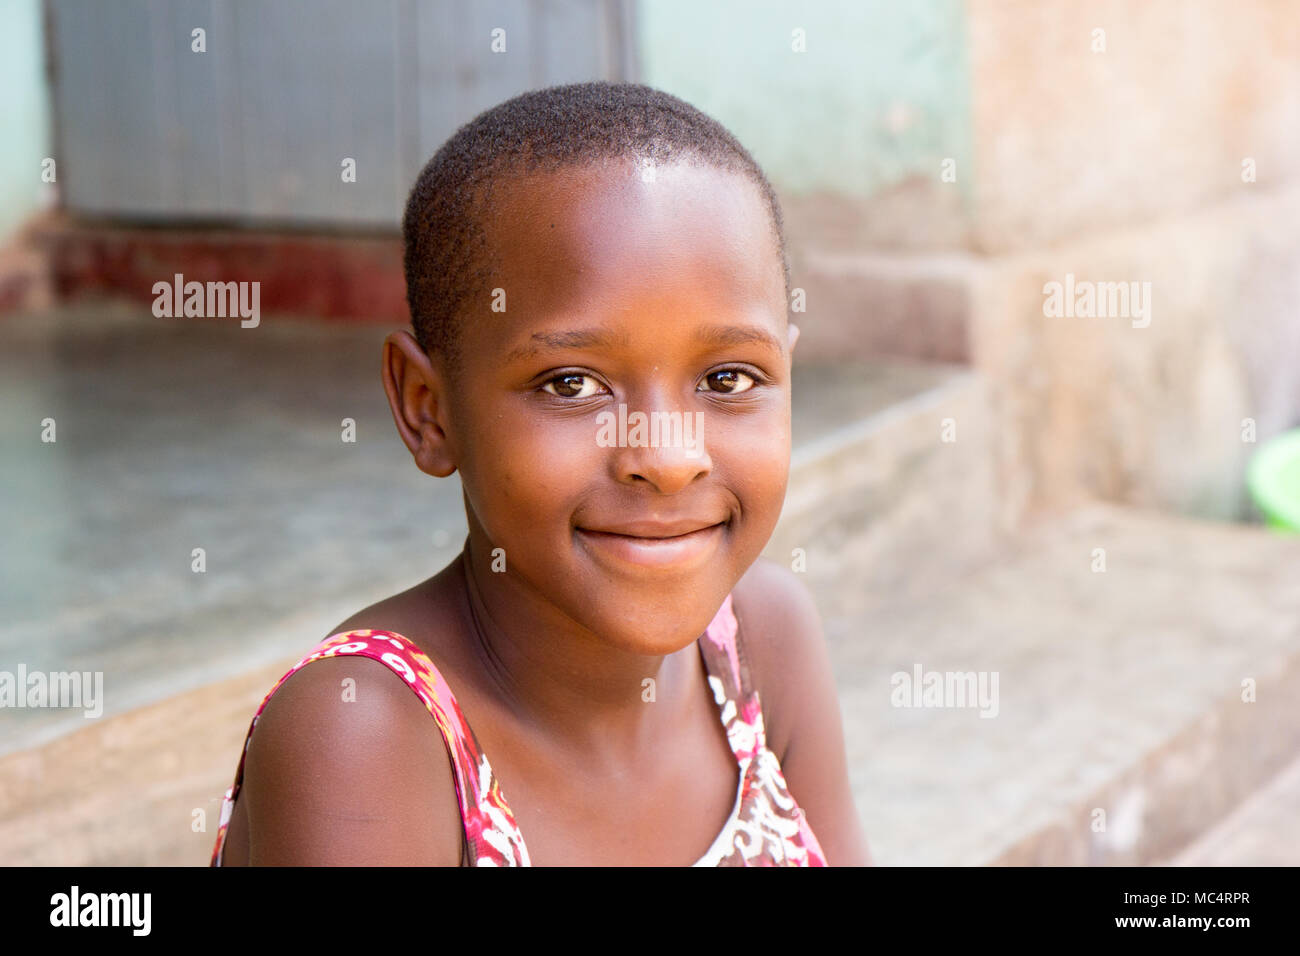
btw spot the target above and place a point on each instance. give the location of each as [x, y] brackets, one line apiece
[492, 837]
[729, 677]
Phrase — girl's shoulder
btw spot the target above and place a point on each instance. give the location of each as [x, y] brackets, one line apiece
[780, 632]
[340, 767]
[341, 734]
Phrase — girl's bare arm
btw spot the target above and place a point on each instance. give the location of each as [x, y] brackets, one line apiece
[357, 782]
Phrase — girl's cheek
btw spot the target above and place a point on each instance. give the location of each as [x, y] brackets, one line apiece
[762, 464]
[765, 444]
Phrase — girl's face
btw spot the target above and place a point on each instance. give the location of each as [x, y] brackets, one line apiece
[625, 297]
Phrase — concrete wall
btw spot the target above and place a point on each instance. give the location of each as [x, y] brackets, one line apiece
[1071, 140]
[854, 130]
[1131, 163]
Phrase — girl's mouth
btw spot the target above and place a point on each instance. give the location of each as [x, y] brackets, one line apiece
[652, 546]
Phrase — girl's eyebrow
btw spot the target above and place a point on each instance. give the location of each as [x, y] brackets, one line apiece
[740, 335]
[717, 335]
[572, 339]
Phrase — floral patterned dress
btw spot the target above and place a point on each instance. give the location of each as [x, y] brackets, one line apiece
[766, 826]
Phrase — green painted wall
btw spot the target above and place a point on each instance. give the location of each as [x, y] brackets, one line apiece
[23, 116]
[880, 95]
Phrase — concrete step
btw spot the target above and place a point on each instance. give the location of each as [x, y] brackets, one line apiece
[357, 277]
[139, 789]
[1119, 691]
[1263, 831]
[896, 457]
[908, 305]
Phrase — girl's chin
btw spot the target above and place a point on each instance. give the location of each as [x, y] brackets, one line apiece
[656, 626]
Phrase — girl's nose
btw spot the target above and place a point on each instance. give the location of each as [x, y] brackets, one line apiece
[662, 447]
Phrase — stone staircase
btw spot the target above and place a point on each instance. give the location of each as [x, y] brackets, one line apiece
[1120, 690]
[1148, 664]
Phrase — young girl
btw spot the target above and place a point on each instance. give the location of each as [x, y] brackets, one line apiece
[598, 284]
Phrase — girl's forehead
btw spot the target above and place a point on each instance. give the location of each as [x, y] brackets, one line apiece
[617, 263]
[619, 230]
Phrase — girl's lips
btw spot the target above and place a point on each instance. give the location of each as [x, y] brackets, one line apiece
[679, 551]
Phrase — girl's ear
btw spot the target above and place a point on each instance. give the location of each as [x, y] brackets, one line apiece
[793, 332]
[415, 390]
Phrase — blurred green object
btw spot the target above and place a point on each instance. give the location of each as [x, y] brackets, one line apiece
[1273, 477]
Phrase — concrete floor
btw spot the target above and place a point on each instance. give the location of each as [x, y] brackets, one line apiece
[178, 435]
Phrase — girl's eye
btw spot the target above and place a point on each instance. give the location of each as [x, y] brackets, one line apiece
[571, 386]
[732, 381]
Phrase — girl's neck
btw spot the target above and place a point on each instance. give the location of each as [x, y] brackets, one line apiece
[556, 676]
